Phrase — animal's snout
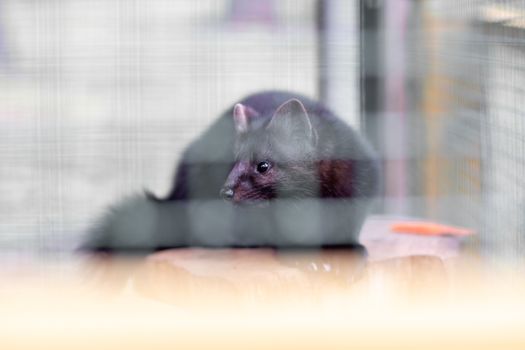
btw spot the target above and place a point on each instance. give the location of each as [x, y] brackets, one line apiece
[227, 193]
[235, 178]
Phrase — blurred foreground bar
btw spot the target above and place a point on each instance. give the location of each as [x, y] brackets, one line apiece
[409, 292]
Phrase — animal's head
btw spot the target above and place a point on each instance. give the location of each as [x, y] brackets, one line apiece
[274, 155]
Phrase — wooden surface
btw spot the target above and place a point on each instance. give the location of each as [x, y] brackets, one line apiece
[396, 265]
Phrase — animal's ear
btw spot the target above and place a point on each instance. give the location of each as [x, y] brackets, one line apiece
[242, 116]
[292, 119]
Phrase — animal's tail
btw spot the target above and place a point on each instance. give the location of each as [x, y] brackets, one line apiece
[130, 226]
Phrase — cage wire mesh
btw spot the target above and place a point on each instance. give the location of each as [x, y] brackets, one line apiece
[478, 61]
[98, 99]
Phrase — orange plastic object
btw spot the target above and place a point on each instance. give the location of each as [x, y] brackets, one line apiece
[428, 229]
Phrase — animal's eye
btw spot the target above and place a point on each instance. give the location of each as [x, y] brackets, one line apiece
[263, 167]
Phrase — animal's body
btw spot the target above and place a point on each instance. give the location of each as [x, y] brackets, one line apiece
[276, 169]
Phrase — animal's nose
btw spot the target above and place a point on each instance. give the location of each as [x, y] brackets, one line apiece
[227, 193]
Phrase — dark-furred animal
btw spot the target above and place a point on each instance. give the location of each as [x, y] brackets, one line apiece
[275, 170]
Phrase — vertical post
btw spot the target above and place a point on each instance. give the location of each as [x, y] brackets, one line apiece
[385, 106]
[338, 52]
[371, 69]
[322, 48]
[371, 75]
[396, 112]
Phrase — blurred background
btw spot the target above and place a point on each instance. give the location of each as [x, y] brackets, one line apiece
[99, 97]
